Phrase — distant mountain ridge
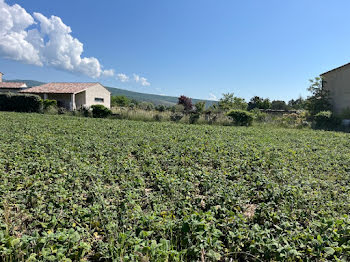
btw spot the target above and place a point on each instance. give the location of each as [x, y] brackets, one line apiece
[29, 83]
[155, 99]
[142, 97]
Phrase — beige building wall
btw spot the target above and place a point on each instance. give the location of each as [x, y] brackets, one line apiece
[80, 100]
[95, 95]
[338, 84]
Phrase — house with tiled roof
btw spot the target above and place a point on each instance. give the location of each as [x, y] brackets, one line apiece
[73, 95]
[13, 87]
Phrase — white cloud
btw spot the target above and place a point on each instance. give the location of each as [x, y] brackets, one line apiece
[212, 97]
[109, 72]
[143, 81]
[13, 37]
[49, 42]
[122, 77]
[136, 78]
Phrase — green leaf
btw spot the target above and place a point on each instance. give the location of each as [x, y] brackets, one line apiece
[329, 250]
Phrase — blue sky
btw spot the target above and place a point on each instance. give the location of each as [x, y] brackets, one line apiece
[199, 48]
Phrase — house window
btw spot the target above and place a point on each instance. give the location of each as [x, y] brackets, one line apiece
[98, 99]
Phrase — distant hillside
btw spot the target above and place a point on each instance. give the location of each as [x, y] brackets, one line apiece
[142, 97]
[30, 83]
[155, 99]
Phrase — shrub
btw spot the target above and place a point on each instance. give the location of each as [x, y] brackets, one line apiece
[100, 111]
[158, 117]
[258, 115]
[52, 110]
[120, 101]
[293, 120]
[176, 117]
[177, 108]
[49, 103]
[148, 106]
[50, 106]
[20, 102]
[200, 107]
[241, 117]
[210, 116]
[160, 108]
[62, 110]
[194, 117]
[326, 120]
[85, 111]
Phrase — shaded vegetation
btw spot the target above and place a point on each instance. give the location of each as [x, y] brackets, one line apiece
[20, 102]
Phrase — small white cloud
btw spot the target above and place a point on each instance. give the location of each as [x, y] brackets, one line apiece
[108, 73]
[136, 78]
[142, 80]
[122, 77]
[212, 97]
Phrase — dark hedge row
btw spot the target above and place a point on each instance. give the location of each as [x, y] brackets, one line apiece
[20, 102]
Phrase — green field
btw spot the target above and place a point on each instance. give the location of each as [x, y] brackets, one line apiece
[99, 189]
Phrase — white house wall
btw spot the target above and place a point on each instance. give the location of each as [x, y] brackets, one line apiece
[98, 91]
[80, 99]
[338, 84]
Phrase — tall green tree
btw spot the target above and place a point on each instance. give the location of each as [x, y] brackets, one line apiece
[200, 107]
[319, 99]
[297, 104]
[229, 101]
[258, 102]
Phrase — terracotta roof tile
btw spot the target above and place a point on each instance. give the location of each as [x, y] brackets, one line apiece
[12, 85]
[59, 88]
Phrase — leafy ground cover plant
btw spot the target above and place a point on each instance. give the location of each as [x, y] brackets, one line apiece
[98, 190]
